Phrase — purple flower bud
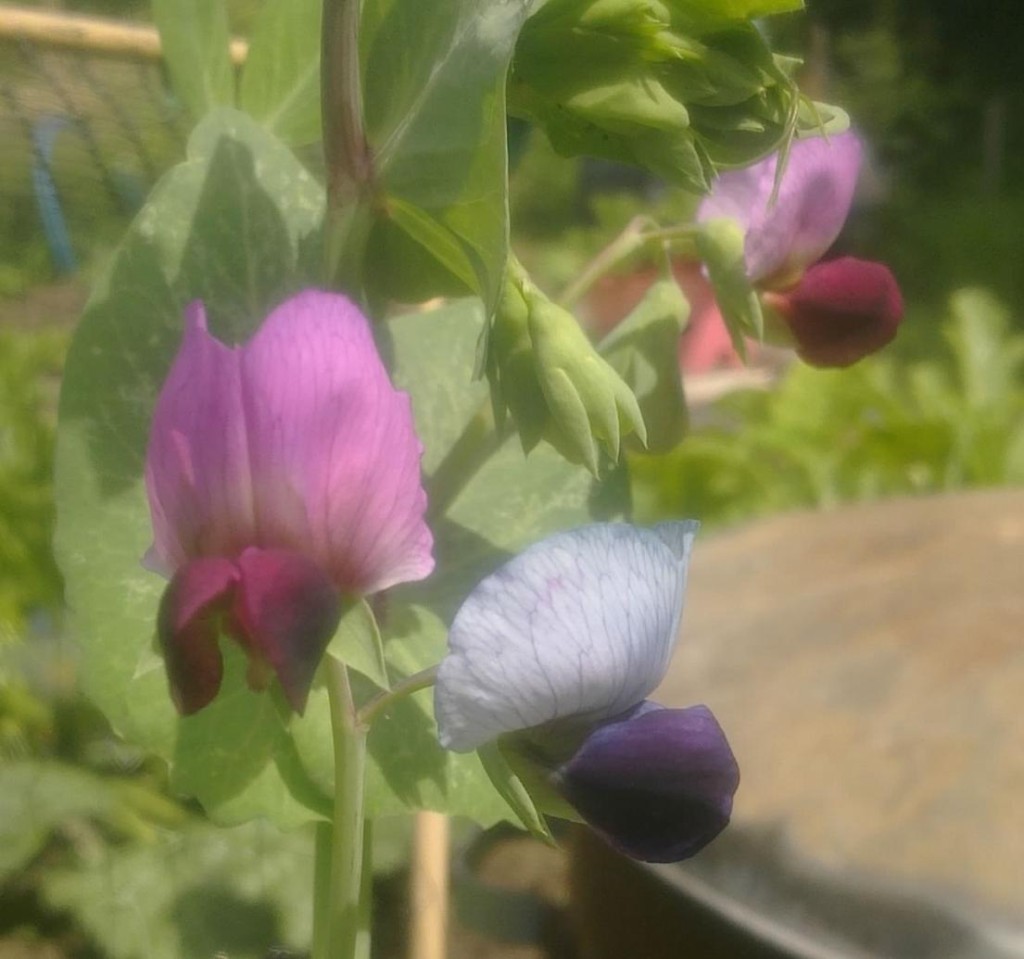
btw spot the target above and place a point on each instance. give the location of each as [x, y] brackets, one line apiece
[281, 474]
[841, 311]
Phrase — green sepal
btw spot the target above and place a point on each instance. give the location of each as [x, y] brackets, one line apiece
[720, 244]
[510, 787]
[357, 643]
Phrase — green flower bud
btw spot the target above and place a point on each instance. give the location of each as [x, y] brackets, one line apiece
[547, 375]
[671, 86]
[588, 401]
[511, 370]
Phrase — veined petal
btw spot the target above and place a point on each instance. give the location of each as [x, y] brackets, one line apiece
[332, 446]
[841, 311]
[193, 608]
[581, 624]
[657, 783]
[814, 199]
[286, 611]
[197, 465]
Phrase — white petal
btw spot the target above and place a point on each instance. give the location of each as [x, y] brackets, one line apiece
[580, 624]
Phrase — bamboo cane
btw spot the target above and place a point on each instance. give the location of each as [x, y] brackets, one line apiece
[96, 35]
[429, 876]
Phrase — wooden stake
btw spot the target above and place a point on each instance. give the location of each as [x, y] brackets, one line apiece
[97, 35]
[429, 876]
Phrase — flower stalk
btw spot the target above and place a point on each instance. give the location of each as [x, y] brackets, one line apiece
[346, 912]
[424, 679]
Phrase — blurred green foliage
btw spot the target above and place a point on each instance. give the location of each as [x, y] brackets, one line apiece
[883, 427]
[30, 365]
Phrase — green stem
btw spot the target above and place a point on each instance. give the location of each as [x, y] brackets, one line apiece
[321, 891]
[625, 244]
[347, 153]
[364, 934]
[348, 157]
[406, 687]
[634, 237]
[346, 887]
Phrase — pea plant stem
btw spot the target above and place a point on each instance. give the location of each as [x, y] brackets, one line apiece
[400, 690]
[638, 233]
[341, 900]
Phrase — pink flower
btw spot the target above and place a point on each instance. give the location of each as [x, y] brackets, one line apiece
[282, 475]
[838, 312]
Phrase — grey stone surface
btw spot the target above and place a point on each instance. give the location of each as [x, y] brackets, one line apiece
[868, 666]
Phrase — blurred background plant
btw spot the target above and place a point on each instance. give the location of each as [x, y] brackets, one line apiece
[934, 88]
[889, 426]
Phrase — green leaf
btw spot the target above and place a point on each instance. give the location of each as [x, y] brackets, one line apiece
[222, 749]
[435, 120]
[196, 46]
[436, 239]
[511, 502]
[204, 891]
[644, 350]
[281, 81]
[406, 766]
[358, 644]
[720, 245]
[233, 225]
[433, 353]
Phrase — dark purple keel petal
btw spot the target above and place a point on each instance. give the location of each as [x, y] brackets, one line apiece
[658, 783]
[286, 611]
[841, 311]
[192, 609]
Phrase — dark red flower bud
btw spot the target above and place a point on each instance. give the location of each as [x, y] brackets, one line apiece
[840, 311]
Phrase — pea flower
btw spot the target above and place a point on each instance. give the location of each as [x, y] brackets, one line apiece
[553, 655]
[835, 312]
[281, 475]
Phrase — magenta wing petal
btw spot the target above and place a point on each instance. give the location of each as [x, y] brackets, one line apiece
[331, 439]
[197, 464]
[286, 611]
[783, 239]
[193, 612]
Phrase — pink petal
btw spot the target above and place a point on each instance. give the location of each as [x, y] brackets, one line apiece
[286, 611]
[197, 465]
[192, 612]
[813, 202]
[841, 311]
[332, 445]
